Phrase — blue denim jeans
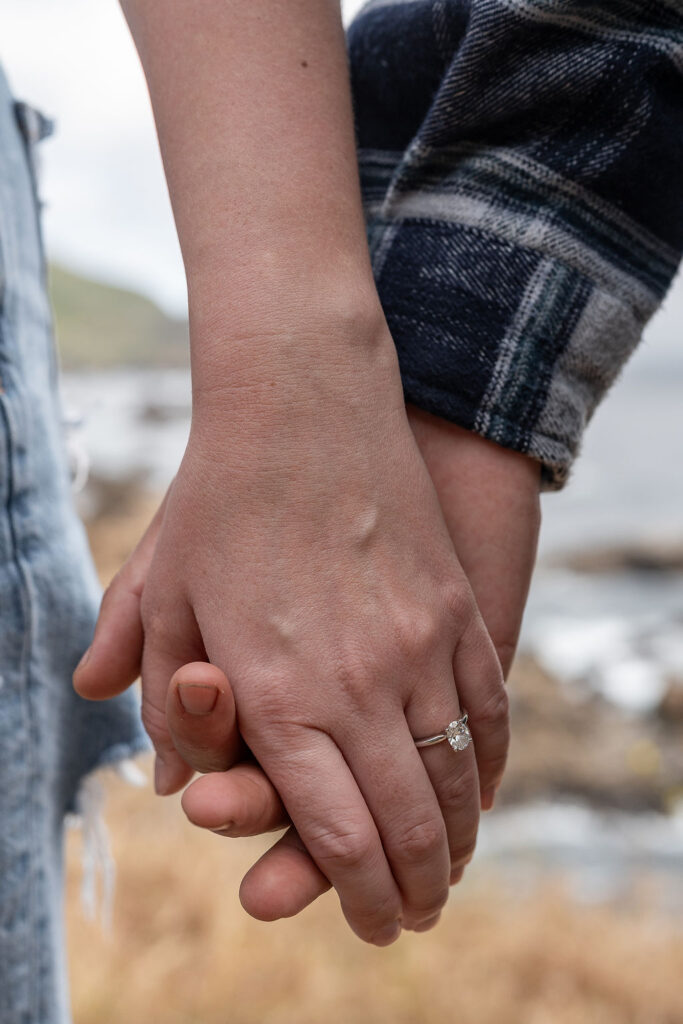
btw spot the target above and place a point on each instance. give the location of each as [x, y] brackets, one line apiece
[50, 738]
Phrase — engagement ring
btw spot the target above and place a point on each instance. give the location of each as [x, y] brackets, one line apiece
[457, 734]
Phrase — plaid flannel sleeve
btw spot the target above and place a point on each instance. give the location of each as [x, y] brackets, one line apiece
[521, 168]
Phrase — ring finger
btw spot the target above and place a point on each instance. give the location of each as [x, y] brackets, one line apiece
[452, 772]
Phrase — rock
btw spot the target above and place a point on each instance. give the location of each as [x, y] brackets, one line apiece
[590, 750]
[641, 556]
[671, 706]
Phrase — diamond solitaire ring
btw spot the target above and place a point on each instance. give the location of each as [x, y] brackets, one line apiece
[457, 734]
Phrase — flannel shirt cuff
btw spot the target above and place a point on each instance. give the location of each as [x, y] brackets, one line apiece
[514, 297]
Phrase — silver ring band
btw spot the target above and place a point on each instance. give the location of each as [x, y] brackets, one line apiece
[457, 733]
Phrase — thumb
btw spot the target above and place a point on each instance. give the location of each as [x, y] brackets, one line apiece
[201, 717]
[112, 662]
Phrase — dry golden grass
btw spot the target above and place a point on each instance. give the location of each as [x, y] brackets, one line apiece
[182, 951]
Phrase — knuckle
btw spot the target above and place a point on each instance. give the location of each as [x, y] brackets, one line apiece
[460, 604]
[345, 849]
[385, 910]
[422, 841]
[351, 676]
[494, 718]
[460, 792]
[417, 633]
[156, 727]
[274, 706]
[275, 717]
[494, 713]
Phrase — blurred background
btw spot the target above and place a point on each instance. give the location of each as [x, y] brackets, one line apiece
[572, 909]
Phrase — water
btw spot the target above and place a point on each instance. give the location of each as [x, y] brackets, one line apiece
[112, 426]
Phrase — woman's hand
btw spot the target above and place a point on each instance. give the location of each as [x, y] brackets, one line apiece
[313, 712]
[489, 497]
[303, 552]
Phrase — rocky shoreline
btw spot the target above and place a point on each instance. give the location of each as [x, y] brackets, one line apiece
[574, 744]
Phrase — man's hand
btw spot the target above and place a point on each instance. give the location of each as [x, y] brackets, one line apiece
[490, 500]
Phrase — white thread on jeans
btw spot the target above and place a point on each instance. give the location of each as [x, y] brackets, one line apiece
[97, 862]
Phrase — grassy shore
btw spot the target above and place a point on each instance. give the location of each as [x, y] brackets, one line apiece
[182, 951]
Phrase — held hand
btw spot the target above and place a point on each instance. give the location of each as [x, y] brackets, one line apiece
[323, 582]
[490, 499]
[309, 560]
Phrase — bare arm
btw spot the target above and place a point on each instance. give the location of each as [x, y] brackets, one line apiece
[302, 548]
[252, 106]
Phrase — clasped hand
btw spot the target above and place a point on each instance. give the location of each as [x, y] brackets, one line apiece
[306, 553]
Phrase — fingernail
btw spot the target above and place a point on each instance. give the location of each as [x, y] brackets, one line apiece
[487, 798]
[221, 830]
[84, 659]
[162, 777]
[385, 936]
[426, 925]
[197, 698]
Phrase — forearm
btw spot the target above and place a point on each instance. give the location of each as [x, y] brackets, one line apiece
[253, 111]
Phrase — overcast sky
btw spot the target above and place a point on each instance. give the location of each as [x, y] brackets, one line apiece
[107, 211]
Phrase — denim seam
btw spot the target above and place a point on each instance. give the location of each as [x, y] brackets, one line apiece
[24, 677]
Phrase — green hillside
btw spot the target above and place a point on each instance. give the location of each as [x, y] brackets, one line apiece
[100, 326]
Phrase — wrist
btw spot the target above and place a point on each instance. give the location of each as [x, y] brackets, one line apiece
[291, 392]
[286, 338]
[289, 278]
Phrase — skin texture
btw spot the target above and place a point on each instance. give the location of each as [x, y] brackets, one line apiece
[490, 501]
